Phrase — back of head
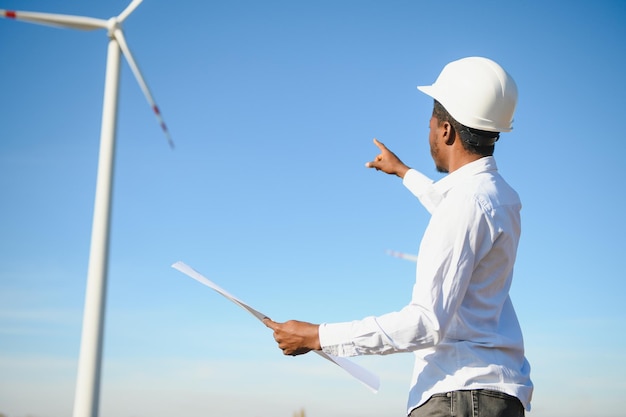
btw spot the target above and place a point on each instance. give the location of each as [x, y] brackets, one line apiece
[477, 92]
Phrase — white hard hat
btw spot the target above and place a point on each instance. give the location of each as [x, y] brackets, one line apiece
[477, 92]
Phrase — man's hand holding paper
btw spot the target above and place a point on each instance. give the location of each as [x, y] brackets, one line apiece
[295, 337]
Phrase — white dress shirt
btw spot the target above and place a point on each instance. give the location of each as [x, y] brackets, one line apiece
[460, 322]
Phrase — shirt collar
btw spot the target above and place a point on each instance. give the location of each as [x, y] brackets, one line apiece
[484, 164]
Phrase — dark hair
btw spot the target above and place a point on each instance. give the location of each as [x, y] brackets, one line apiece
[470, 137]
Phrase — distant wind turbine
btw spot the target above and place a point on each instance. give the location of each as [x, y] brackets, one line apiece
[89, 364]
[402, 255]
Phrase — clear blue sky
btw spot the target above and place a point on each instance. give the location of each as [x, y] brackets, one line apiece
[273, 107]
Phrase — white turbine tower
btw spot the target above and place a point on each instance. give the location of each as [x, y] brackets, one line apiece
[86, 400]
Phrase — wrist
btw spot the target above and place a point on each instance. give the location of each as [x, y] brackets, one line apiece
[315, 342]
[401, 172]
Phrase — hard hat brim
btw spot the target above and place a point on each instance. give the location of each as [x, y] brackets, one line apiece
[481, 124]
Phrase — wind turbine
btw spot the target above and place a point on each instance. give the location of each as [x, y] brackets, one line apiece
[402, 255]
[86, 399]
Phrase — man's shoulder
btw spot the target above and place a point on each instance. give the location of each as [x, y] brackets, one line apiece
[488, 189]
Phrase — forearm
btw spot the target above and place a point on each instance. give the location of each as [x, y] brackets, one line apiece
[406, 330]
[423, 188]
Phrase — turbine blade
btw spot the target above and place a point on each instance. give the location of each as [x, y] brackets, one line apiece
[56, 20]
[119, 36]
[128, 10]
[401, 255]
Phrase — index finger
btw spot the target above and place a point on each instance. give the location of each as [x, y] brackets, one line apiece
[270, 323]
[379, 144]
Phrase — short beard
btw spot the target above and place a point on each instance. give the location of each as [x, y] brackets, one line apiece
[434, 151]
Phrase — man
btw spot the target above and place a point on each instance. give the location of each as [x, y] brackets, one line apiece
[460, 323]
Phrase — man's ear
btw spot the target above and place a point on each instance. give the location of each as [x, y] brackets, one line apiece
[449, 134]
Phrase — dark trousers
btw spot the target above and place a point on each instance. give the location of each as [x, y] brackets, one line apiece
[475, 403]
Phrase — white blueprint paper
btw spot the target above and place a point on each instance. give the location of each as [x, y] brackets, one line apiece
[370, 380]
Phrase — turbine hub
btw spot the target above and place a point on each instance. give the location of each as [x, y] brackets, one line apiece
[113, 24]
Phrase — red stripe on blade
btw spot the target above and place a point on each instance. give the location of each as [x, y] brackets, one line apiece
[10, 14]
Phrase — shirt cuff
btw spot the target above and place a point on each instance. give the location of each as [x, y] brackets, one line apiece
[332, 339]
